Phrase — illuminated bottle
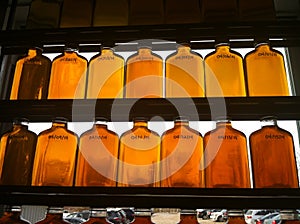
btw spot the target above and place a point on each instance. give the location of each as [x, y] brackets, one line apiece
[224, 73]
[182, 151]
[110, 13]
[139, 156]
[266, 73]
[12, 214]
[98, 156]
[54, 216]
[236, 217]
[17, 150]
[144, 74]
[44, 14]
[55, 156]
[226, 157]
[289, 217]
[97, 216]
[68, 76]
[142, 216]
[188, 217]
[35, 75]
[184, 73]
[269, 144]
[106, 75]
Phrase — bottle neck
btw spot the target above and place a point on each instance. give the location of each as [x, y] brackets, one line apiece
[144, 51]
[32, 52]
[223, 123]
[184, 49]
[107, 51]
[223, 47]
[59, 122]
[140, 123]
[261, 46]
[181, 122]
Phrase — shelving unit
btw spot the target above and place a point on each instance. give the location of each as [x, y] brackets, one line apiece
[161, 37]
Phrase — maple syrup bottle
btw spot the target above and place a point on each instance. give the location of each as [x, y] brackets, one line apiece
[184, 73]
[32, 52]
[289, 217]
[142, 216]
[139, 156]
[76, 13]
[144, 74]
[97, 216]
[224, 73]
[54, 216]
[68, 76]
[54, 161]
[12, 214]
[181, 155]
[35, 75]
[226, 157]
[98, 156]
[188, 217]
[106, 75]
[17, 149]
[266, 74]
[236, 217]
[269, 144]
[44, 14]
[110, 13]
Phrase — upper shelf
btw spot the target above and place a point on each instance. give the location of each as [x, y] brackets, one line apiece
[203, 35]
[238, 108]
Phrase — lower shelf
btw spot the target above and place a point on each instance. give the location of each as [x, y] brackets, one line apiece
[185, 198]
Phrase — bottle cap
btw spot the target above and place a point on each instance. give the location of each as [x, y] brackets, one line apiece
[60, 120]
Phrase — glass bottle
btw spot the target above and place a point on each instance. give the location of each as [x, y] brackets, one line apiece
[224, 73]
[97, 216]
[144, 74]
[181, 156]
[184, 73]
[110, 13]
[106, 75]
[176, 12]
[68, 76]
[142, 216]
[289, 217]
[54, 216]
[188, 217]
[44, 14]
[54, 161]
[76, 13]
[17, 149]
[98, 156]
[236, 217]
[226, 157]
[139, 156]
[18, 71]
[12, 214]
[34, 78]
[269, 144]
[266, 74]
[144, 12]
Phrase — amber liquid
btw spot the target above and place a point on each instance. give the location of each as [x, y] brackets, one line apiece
[266, 73]
[188, 219]
[44, 14]
[182, 150]
[35, 75]
[18, 71]
[68, 76]
[76, 13]
[144, 12]
[144, 75]
[55, 157]
[176, 12]
[97, 159]
[110, 13]
[106, 75]
[226, 158]
[139, 157]
[12, 217]
[269, 144]
[224, 74]
[17, 148]
[184, 74]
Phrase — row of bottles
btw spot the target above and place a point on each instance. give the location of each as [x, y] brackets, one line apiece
[180, 157]
[222, 72]
[12, 214]
[86, 13]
